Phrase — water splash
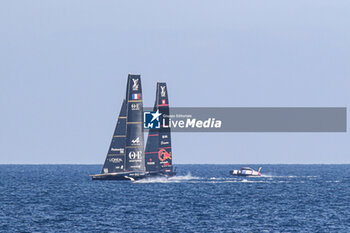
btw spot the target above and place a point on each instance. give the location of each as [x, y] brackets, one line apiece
[174, 179]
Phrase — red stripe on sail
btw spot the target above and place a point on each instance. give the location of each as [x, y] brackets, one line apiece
[151, 135]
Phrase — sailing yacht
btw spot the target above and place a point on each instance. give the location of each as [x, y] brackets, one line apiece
[125, 158]
[158, 154]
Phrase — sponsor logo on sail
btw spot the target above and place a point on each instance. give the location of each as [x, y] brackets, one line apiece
[162, 92]
[120, 150]
[135, 107]
[164, 143]
[150, 162]
[135, 155]
[152, 120]
[164, 136]
[119, 167]
[135, 86]
[163, 155]
[115, 160]
[136, 141]
[163, 101]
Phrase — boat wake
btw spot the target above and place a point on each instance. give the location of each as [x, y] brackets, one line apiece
[193, 179]
[174, 179]
[291, 176]
[214, 180]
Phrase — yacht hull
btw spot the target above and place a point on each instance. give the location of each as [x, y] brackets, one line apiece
[132, 176]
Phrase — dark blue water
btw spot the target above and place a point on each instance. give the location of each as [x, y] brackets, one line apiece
[204, 198]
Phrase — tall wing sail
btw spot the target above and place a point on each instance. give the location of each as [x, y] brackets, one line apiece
[115, 160]
[135, 158]
[164, 153]
[158, 148]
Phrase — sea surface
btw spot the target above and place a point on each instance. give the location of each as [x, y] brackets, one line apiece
[202, 198]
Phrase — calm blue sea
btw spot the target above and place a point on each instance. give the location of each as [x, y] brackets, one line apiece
[203, 198]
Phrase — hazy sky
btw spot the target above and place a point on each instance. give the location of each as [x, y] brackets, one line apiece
[64, 66]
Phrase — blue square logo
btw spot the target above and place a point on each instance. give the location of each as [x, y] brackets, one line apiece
[151, 120]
